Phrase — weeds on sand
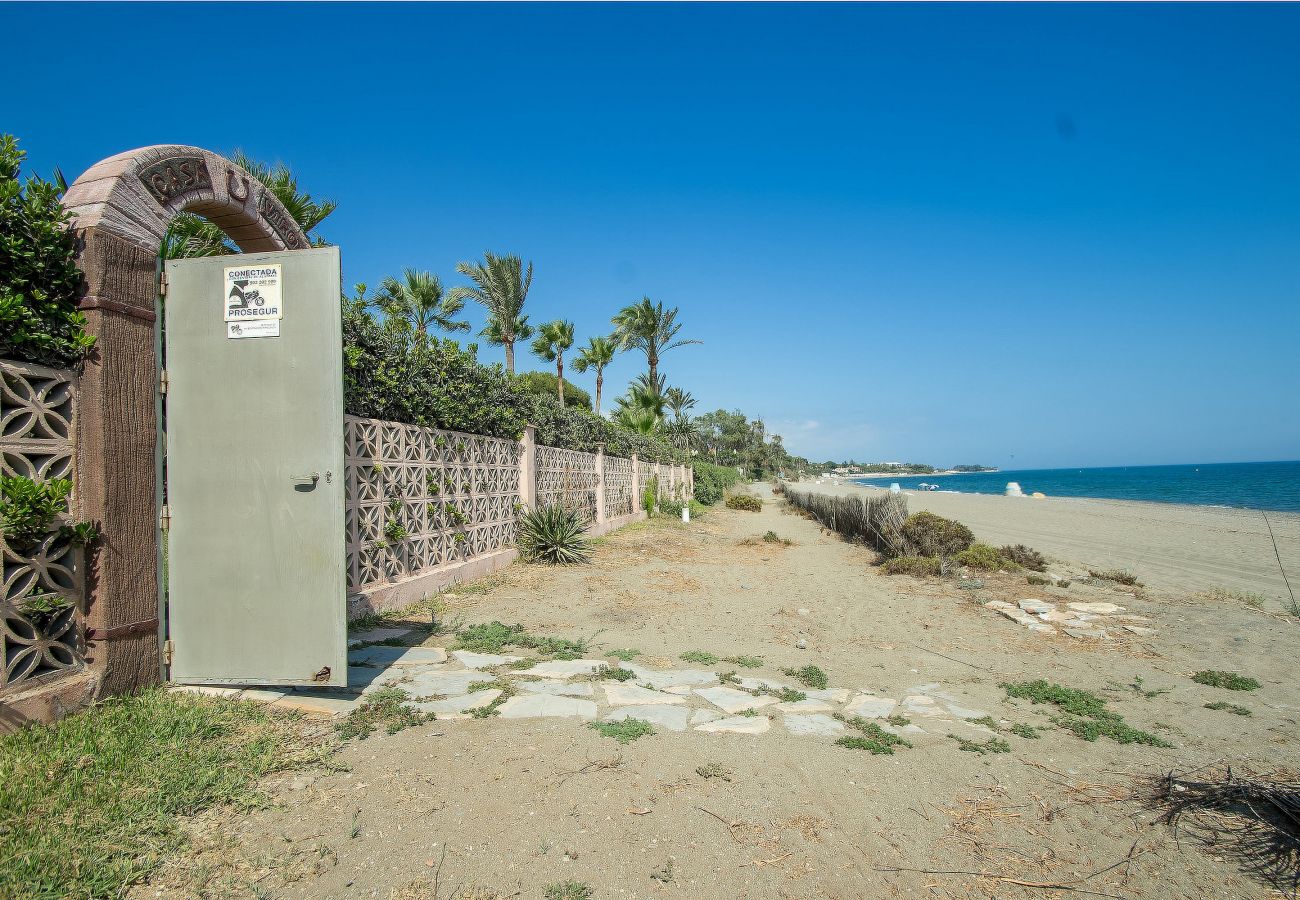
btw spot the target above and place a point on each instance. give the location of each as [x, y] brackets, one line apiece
[1229, 707]
[749, 713]
[898, 720]
[912, 565]
[1224, 595]
[569, 890]
[387, 706]
[745, 662]
[493, 637]
[521, 664]
[703, 657]
[1119, 576]
[1026, 557]
[1016, 728]
[624, 655]
[1139, 688]
[713, 770]
[664, 874]
[1044, 581]
[625, 732]
[1085, 714]
[874, 739]
[476, 686]
[992, 745]
[94, 803]
[772, 537]
[1025, 731]
[728, 678]
[1292, 608]
[616, 673]
[489, 710]
[986, 558]
[746, 502]
[1229, 681]
[809, 676]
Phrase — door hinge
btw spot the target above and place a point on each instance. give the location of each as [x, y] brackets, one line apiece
[168, 649]
[162, 382]
[165, 517]
[162, 283]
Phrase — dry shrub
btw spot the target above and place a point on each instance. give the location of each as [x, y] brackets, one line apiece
[931, 535]
[1026, 557]
[912, 565]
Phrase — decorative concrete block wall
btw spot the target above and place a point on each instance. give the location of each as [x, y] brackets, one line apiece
[37, 436]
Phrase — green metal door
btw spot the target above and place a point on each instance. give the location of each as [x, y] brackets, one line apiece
[255, 582]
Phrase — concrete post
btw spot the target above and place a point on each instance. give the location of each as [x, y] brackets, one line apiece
[600, 484]
[528, 468]
[636, 484]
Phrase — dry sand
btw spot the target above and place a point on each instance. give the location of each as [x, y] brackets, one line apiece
[1174, 547]
[495, 808]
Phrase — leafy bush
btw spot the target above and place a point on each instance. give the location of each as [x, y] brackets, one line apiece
[982, 556]
[1025, 557]
[931, 535]
[712, 482]
[912, 565]
[39, 279]
[29, 508]
[1230, 681]
[546, 384]
[554, 534]
[747, 502]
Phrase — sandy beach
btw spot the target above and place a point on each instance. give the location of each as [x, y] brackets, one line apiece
[1176, 548]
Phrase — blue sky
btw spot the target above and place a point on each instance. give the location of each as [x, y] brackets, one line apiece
[1018, 235]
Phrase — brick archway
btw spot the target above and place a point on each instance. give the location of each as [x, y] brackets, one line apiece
[121, 208]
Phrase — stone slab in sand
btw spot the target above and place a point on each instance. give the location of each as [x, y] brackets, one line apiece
[738, 725]
[536, 706]
[814, 726]
[674, 718]
[730, 700]
[617, 694]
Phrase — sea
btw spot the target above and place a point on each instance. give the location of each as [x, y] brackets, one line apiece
[1258, 485]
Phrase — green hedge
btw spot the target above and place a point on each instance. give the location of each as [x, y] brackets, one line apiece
[39, 278]
[442, 385]
[711, 481]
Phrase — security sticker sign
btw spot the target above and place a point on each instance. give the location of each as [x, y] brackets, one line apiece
[255, 328]
[253, 293]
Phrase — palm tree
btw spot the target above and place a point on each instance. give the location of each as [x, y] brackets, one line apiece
[501, 286]
[650, 328]
[642, 407]
[553, 339]
[598, 353]
[189, 235]
[417, 304]
[679, 401]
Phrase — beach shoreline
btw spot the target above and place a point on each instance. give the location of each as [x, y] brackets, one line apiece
[1179, 547]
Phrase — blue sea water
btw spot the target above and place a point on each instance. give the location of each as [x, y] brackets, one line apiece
[1262, 485]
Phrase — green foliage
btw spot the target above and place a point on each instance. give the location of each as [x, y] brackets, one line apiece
[569, 890]
[96, 802]
[493, 637]
[874, 738]
[1085, 714]
[626, 655]
[745, 662]
[1025, 557]
[28, 509]
[416, 304]
[650, 494]
[42, 609]
[1120, 576]
[555, 535]
[931, 535]
[712, 482]
[1230, 681]
[616, 673]
[39, 279]
[730, 439]
[809, 676]
[546, 384]
[500, 285]
[713, 770]
[703, 657]
[984, 557]
[747, 502]
[912, 565]
[387, 706]
[1024, 731]
[771, 537]
[992, 745]
[625, 731]
[1230, 707]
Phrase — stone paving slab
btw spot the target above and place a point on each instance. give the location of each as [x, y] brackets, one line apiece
[471, 660]
[541, 705]
[805, 706]
[730, 700]
[672, 678]
[921, 705]
[737, 725]
[320, 703]
[555, 688]
[263, 695]
[380, 655]
[1103, 608]
[815, 725]
[565, 668]
[619, 694]
[754, 684]
[458, 707]
[673, 718]
[834, 695]
[447, 684]
[871, 707]
[700, 716]
[206, 690]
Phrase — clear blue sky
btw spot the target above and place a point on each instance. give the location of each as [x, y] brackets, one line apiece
[1016, 235]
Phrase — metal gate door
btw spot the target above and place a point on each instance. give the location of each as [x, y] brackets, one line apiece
[254, 470]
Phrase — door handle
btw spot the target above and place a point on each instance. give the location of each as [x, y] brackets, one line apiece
[307, 479]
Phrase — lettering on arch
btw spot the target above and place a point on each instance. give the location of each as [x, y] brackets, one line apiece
[175, 176]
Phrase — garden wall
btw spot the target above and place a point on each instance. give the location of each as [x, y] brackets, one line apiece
[428, 508]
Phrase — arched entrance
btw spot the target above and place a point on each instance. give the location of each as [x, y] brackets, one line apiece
[121, 208]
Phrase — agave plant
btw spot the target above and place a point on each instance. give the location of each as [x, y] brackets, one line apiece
[554, 534]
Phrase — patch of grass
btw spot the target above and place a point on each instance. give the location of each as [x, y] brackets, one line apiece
[626, 731]
[92, 804]
[616, 673]
[626, 655]
[388, 707]
[714, 770]
[489, 710]
[748, 713]
[874, 739]
[494, 637]
[728, 678]
[1229, 707]
[569, 890]
[703, 657]
[809, 676]
[521, 664]
[1224, 595]
[746, 502]
[1084, 713]
[987, 722]
[1025, 731]
[919, 566]
[1119, 576]
[992, 745]
[1292, 608]
[771, 537]
[785, 694]
[745, 662]
[1229, 681]
[986, 558]
[898, 720]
